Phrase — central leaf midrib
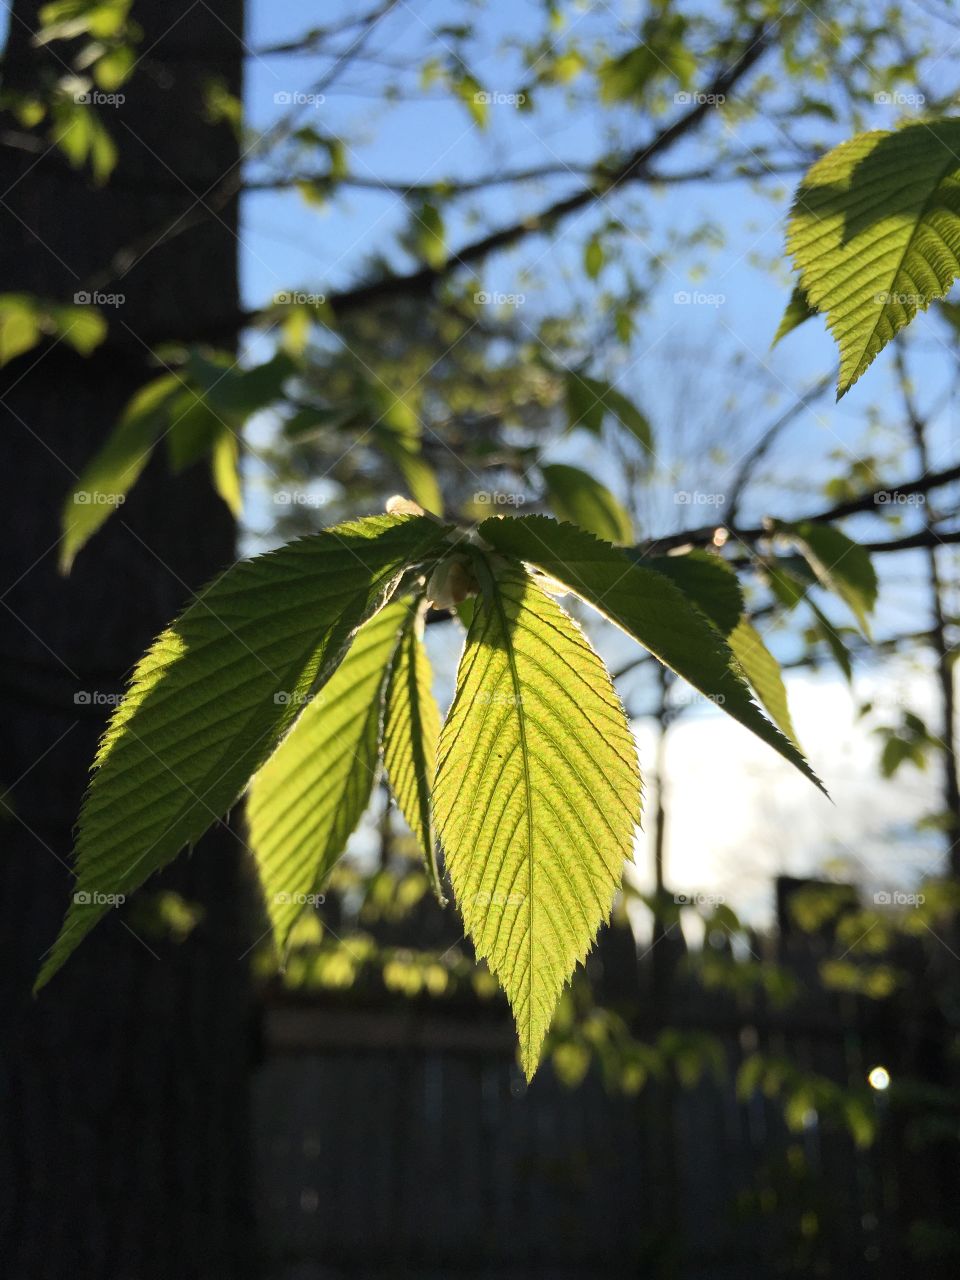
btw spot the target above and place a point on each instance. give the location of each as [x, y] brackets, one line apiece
[528, 788]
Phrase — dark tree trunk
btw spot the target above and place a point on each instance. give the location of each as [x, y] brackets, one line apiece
[123, 1086]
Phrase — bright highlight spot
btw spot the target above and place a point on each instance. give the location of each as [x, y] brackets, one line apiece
[879, 1078]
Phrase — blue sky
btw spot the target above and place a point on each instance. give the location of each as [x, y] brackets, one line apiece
[286, 243]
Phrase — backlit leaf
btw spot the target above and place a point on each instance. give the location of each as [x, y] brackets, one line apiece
[647, 606]
[306, 800]
[875, 234]
[537, 795]
[210, 700]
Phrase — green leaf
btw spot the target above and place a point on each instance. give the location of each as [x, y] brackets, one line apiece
[235, 393]
[430, 236]
[111, 473]
[648, 607]
[311, 421]
[584, 398]
[467, 89]
[194, 428]
[661, 54]
[537, 795]
[875, 235]
[629, 416]
[64, 19]
[593, 257]
[411, 729]
[81, 135]
[840, 564]
[225, 470]
[212, 697]
[828, 632]
[81, 327]
[709, 582]
[790, 578]
[111, 70]
[398, 433]
[20, 326]
[798, 311]
[628, 75]
[24, 320]
[309, 796]
[589, 400]
[418, 475]
[763, 672]
[576, 496]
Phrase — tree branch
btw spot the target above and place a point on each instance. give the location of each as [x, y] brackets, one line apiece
[874, 500]
[423, 280]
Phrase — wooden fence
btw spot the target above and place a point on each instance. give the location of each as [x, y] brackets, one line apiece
[402, 1142]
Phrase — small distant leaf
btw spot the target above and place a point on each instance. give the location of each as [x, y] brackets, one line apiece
[64, 19]
[225, 470]
[83, 138]
[112, 472]
[593, 257]
[661, 54]
[24, 320]
[411, 729]
[576, 496]
[194, 428]
[468, 90]
[589, 400]
[875, 234]
[628, 75]
[647, 606]
[308, 421]
[584, 397]
[221, 106]
[398, 434]
[420, 479]
[537, 795]
[430, 236]
[306, 800]
[20, 326]
[840, 564]
[861, 1118]
[82, 328]
[629, 416]
[623, 323]
[28, 109]
[295, 325]
[114, 67]
[834, 641]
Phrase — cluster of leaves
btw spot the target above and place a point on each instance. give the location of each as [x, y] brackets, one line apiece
[341, 417]
[196, 409]
[296, 672]
[103, 40]
[26, 320]
[296, 676]
[805, 1094]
